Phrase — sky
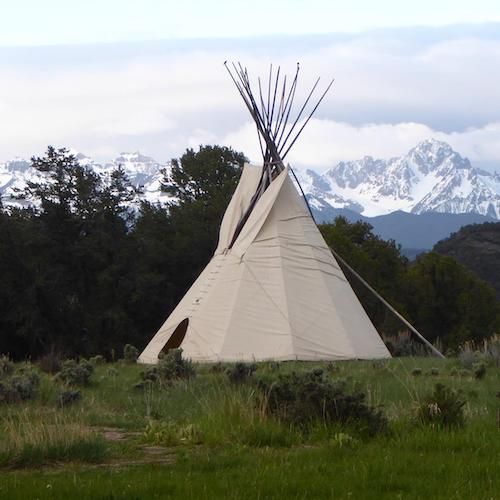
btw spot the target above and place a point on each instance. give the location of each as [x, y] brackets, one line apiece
[109, 76]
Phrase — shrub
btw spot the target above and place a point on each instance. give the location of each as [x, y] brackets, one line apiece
[217, 368]
[19, 386]
[99, 359]
[171, 367]
[68, 398]
[50, 362]
[443, 408]
[479, 370]
[73, 373]
[240, 372]
[274, 366]
[6, 366]
[305, 398]
[130, 353]
[492, 350]
[403, 344]
[332, 368]
[468, 357]
[379, 364]
[143, 385]
[151, 374]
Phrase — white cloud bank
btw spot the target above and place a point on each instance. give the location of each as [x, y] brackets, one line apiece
[392, 89]
[325, 142]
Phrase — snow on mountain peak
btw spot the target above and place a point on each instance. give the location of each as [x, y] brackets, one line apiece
[430, 177]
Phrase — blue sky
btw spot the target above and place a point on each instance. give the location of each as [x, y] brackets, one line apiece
[106, 77]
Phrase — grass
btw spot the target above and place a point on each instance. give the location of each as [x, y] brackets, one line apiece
[54, 437]
[214, 439]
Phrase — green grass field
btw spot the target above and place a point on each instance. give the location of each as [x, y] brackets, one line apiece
[208, 438]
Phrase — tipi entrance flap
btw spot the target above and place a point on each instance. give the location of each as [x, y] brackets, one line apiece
[259, 215]
[238, 205]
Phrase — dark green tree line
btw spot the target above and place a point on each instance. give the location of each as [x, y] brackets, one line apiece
[439, 296]
[90, 267]
[85, 272]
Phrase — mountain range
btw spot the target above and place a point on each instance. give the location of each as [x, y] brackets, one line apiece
[416, 199]
[431, 177]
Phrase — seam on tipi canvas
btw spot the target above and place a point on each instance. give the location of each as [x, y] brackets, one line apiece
[285, 316]
[246, 266]
[283, 280]
[232, 309]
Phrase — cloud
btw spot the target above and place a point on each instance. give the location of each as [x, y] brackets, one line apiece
[392, 88]
[324, 142]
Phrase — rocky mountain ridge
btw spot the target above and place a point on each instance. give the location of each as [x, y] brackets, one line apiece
[431, 177]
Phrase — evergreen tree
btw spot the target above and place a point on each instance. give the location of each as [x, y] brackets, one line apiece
[202, 184]
[378, 261]
[448, 302]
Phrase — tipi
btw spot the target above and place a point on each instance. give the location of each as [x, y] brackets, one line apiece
[273, 290]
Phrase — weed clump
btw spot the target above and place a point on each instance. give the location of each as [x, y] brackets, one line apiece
[416, 372]
[217, 368]
[332, 368]
[442, 408]
[73, 373]
[68, 398]
[240, 372]
[479, 370]
[304, 398]
[130, 353]
[171, 434]
[170, 368]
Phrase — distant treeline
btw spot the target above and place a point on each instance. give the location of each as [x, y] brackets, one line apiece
[90, 267]
[477, 247]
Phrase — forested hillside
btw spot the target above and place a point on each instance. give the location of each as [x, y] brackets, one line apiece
[91, 268]
[477, 247]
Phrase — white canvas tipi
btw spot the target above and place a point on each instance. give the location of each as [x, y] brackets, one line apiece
[277, 294]
[273, 290]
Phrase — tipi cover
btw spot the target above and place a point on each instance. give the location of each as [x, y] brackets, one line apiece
[276, 293]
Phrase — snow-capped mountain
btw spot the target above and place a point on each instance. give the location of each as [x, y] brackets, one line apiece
[142, 171]
[430, 178]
